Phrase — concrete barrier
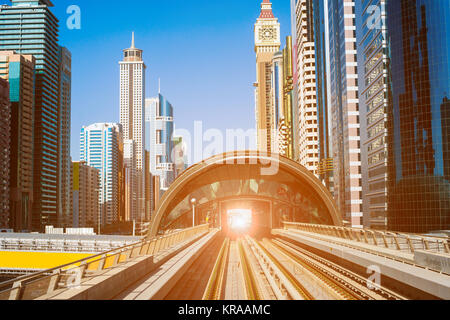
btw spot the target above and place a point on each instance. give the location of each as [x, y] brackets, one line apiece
[108, 284]
[433, 261]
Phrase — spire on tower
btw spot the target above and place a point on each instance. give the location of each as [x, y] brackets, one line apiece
[266, 10]
[132, 41]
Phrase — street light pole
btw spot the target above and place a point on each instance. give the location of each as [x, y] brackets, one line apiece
[193, 202]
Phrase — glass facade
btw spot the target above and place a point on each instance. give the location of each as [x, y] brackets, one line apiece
[320, 9]
[160, 128]
[99, 148]
[372, 76]
[418, 115]
[344, 106]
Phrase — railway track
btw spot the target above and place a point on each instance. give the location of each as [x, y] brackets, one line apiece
[215, 287]
[267, 270]
[349, 285]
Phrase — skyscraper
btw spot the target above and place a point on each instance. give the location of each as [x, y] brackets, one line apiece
[18, 70]
[323, 94]
[267, 43]
[29, 27]
[159, 114]
[419, 88]
[283, 100]
[371, 37]
[5, 129]
[64, 161]
[132, 105]
[99, 148]
[345, 114]
[308, 141]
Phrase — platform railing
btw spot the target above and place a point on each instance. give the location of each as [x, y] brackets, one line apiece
[68, 276]
[389, 240]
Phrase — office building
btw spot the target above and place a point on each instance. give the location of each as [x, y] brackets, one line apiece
[5, 132]
[30, 28]
[64, 127]
[283, 100]
[323, 93]
[85, 186]
[345, 116]
[159, 116]
[371, 38]
[99, 148]
[418, 115]
[267, 43]
[132, 105]
[18, 70]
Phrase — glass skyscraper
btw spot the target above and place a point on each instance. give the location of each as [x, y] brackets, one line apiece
[418, 115]
[371, 37]
[344, 106]
[99, 148]
[29, 27]
[322, 56]
[159, 121]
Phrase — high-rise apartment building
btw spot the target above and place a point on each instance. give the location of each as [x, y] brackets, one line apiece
[18, 70]
[132, 105]
[308, 140]
[345, 116]
[99, 148]
[5, 132]
[64, 161]
[159, 117]
[371, 37]
[29, 27]
[85, 186]
[418, 115]
[267, 43]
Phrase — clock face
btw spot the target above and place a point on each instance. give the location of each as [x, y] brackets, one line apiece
[267, 33]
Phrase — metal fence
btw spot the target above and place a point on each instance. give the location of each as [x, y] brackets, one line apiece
[389, 240]
[38, 284]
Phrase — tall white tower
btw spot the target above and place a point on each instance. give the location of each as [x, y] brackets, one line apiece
[132, 103]
[267, 43]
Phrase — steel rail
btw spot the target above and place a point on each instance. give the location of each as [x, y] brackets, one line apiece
[249, 277]
[215, 284]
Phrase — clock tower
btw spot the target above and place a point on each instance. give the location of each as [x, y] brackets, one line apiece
[267, 43]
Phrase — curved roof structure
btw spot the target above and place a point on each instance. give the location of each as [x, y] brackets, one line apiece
[244, 175]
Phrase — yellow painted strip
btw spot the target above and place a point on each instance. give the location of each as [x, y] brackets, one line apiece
[37, 260]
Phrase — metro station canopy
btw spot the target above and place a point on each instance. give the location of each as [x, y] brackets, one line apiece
[248, 176]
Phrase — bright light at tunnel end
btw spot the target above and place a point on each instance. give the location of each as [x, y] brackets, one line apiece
[240, 220]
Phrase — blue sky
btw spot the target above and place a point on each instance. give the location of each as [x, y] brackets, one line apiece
[201, 49]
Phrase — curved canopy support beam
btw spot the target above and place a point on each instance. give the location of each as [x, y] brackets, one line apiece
[244, 165]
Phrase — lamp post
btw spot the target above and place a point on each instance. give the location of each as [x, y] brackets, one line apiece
[193, 202]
